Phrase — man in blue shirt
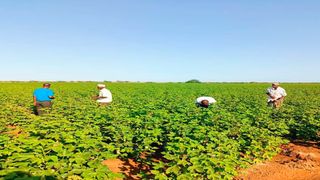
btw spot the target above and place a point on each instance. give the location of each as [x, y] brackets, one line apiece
[42, 98]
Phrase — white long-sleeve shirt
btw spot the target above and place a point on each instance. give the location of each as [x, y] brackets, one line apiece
[105, 96]
[277, 93]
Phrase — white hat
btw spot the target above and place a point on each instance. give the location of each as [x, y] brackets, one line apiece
[101, 85]
[276, 83]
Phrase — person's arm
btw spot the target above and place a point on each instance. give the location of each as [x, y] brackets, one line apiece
[99, 96]
[34, 100]
[279, 99]
[269, 94]
[51, 95]
[104, 94]
[283, 95]
[272, 97]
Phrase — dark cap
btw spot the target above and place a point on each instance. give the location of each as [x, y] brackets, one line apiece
[46, 84]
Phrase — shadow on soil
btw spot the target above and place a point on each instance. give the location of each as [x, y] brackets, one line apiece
[134, 169]
[314, 144]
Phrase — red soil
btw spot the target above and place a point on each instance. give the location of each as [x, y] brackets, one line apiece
[297, 161]
[129, 168]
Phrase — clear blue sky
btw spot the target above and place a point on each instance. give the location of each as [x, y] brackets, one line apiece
[160, 40]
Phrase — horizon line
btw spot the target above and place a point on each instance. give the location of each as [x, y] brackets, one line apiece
[127, 81]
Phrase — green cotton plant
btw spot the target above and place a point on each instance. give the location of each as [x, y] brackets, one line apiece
[155, 124]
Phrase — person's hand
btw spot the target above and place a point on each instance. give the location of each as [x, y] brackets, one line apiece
[95, 97]
[35, 103]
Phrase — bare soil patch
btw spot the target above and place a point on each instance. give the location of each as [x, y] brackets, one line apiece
[298, 161]
[129, 168]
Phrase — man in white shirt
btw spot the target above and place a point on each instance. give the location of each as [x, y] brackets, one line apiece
[276, 95]
[205, 101]
[105, 96]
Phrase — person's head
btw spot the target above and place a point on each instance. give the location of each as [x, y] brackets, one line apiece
[101, 86]
[205, 103]
[275, 85]
[46, 85]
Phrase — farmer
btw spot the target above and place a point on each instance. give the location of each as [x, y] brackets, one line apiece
[105, 96]
[276, 95]
[42, 99]
[205, 101]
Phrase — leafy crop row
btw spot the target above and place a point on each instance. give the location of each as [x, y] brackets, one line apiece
[160, 121]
